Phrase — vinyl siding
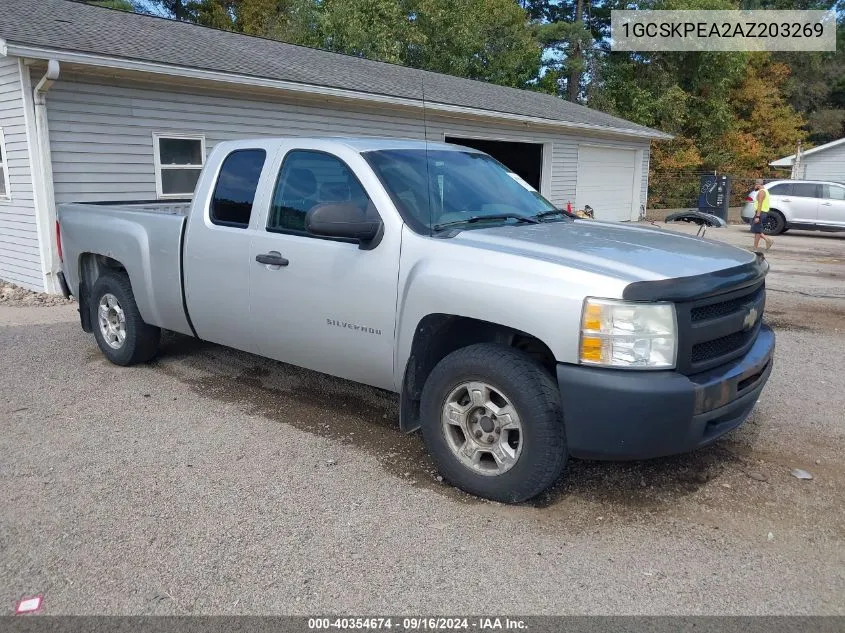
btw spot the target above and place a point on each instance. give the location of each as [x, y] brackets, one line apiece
[565, 166]
[102, 147]
[20, 261]
[827, 164]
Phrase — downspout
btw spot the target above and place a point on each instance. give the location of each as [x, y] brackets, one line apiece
[45, 175]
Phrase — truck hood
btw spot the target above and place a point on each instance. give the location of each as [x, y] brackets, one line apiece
[626, 252]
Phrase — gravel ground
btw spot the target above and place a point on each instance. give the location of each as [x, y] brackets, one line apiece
[12, 295]
[213, 481]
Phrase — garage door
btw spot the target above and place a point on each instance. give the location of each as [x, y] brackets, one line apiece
[606, 182]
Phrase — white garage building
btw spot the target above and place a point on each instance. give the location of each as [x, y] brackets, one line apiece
[825, 162]
[97, 104]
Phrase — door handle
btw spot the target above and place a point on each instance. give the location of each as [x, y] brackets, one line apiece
[272, 259]
[787, 199]
[827, 204]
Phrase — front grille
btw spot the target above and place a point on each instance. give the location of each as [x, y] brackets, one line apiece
[722, 308]
[720, 346]
[716, 330]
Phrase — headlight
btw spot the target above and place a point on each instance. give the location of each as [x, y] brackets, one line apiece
[632, 335]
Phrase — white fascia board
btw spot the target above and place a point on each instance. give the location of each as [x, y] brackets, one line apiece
[783, 162]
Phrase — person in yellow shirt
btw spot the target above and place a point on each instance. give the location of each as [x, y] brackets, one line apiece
[761, 204]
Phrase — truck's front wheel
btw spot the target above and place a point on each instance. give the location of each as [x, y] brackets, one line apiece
[492, 421]
[120, 331]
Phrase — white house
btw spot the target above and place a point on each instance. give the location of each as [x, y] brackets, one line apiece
[825, 162]
[97, 104]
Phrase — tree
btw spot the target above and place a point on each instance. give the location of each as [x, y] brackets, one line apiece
[567, 32]
[376, 29]
[122, 5]
[293, 21]
[765, 125]
[479, 39]
[179, 9]
[489, 40]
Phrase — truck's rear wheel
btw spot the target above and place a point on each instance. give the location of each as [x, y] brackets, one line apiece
[120, 331]
[491, 419]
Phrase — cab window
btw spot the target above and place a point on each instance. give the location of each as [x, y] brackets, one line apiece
[310, 178]
[234, 193]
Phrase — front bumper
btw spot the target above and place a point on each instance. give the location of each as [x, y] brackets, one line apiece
[619, 414]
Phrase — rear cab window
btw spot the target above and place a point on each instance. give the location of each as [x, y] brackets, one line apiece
[237, 183]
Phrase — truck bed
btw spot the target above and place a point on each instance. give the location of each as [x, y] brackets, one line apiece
[143, 237]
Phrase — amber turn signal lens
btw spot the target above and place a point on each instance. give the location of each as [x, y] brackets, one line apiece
[592, 317]
[591, 349]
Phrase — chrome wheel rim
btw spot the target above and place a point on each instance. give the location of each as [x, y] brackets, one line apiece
[482, 428]
[112, 321]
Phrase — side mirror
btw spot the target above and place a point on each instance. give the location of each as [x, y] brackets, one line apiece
[341, 220]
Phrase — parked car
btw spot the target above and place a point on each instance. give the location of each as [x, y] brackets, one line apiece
[515, 334]
[800, 204]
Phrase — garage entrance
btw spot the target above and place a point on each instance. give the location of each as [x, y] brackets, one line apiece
[525, 159]
[606, 181]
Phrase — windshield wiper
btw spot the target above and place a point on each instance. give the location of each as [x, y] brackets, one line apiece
[551, 212]
[481, 218]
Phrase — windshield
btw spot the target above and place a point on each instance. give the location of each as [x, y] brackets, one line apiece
[441, 187]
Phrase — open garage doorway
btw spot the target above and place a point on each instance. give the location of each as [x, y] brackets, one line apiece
[525, 159]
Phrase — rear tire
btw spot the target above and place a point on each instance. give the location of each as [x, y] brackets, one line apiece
[492, 421]
[120, 331]
[774, 224]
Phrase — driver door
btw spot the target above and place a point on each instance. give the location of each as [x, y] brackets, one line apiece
[322, 303]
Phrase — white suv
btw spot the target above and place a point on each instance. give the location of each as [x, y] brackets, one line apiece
[800, 204]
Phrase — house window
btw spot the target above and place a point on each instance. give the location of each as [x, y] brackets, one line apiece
[5, 194]
[178, 163]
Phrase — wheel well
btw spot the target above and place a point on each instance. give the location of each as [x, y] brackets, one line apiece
[438, 335]
[92, 266]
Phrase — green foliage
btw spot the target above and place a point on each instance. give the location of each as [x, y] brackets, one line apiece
[122, 5]
[293, 21]
[480, 39]
[490, 40]
[376, 29]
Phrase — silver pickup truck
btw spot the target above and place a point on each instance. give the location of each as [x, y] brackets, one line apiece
[516, 335]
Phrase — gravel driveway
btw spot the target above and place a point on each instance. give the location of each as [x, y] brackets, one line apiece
[213, 481]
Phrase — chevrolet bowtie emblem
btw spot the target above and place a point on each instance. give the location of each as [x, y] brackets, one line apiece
[750, 318]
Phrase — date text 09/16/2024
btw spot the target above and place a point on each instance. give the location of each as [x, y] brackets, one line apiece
[417, 623]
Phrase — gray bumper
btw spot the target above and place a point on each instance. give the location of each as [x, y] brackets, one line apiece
[618, 414]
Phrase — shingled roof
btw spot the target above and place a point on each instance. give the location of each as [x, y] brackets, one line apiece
[71, 27]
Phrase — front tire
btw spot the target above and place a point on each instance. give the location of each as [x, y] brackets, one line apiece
[492, 421]
[120, 331]
[774, 223]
